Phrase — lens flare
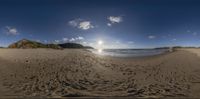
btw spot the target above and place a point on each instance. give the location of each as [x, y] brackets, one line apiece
[100, 50]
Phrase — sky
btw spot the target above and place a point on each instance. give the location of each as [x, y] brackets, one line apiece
[114, 23]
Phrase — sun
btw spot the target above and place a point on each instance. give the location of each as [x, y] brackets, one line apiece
[100, 42]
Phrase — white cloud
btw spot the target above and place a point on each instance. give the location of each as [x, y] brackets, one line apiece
[115, 19]
[79, 38]
[72, 39]
[74, 23]
[151, 37]
[11, 30]
[65, 39]
[56, 41]
[109, 24]
[81, 24]
[85, 25]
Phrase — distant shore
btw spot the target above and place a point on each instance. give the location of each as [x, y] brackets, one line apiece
[78, 72]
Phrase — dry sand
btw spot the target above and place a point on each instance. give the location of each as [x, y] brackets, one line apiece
[68, 73]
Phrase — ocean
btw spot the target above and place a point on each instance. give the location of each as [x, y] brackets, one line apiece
[129, 52]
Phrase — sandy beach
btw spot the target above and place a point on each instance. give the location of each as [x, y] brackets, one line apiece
[76, 72]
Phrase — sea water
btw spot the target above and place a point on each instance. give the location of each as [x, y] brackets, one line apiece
[129, 52]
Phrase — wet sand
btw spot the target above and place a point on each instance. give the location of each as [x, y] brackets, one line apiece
[70, 72]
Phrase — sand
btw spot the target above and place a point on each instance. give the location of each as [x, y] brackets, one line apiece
[79, 73]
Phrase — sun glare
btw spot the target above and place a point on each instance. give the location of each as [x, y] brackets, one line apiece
[100, 50]
[100, 42]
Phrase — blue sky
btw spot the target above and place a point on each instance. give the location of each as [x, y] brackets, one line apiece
[118, 23]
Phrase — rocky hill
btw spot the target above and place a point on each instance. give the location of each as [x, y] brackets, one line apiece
[26, 44]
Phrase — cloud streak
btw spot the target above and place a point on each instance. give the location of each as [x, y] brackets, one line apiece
[73, 39]
[151, 37]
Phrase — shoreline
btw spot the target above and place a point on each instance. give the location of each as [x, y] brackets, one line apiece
[132, 57]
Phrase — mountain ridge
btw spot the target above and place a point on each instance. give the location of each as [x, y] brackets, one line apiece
[26, 44]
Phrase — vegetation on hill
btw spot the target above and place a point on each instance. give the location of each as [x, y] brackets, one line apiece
[71, 45]
[24, 43]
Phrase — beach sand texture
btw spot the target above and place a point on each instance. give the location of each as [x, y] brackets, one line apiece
[76, 72]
